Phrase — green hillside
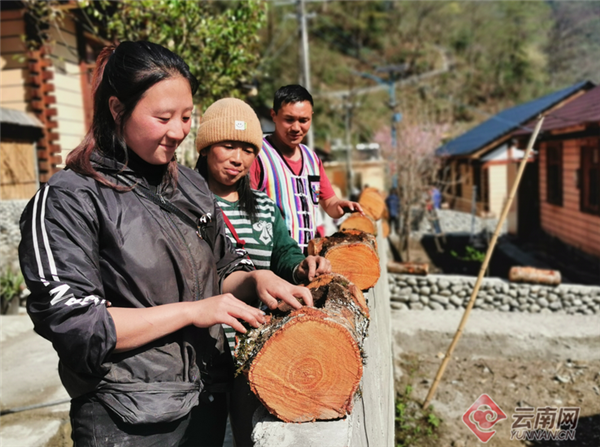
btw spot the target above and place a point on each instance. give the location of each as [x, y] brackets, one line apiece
[497, 54]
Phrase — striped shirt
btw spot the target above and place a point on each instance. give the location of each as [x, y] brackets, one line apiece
[296, 195]
[267, 241]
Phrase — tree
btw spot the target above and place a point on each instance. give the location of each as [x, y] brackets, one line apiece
[217, 40]
[414, 163]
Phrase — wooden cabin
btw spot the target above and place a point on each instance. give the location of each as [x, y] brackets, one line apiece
[482, 162]
[569, 173]
[52, 83]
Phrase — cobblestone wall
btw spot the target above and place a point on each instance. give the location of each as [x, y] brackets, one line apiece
[439, 292]
[10, 235]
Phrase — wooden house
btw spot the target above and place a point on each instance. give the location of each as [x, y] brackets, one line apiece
[52, 83]
[482, 162]
[569, 173]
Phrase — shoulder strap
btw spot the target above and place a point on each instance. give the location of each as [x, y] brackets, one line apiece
[240, 242]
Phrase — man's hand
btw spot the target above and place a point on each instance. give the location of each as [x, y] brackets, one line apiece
[336, 207]
[311, 267]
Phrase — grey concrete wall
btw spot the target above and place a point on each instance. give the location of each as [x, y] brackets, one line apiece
[371, 422]
[10, 235]
[449, 292]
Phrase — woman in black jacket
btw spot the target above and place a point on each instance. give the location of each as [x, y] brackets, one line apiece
[130, 271]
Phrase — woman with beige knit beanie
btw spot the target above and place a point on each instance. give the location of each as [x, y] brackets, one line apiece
[228, 140]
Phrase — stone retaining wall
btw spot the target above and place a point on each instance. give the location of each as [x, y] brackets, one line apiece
[10, 235]
[441, 292]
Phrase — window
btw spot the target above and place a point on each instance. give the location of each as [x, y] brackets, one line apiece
[554, 184]
[590, 178]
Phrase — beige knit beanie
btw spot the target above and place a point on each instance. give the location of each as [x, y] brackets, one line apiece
[229, 119]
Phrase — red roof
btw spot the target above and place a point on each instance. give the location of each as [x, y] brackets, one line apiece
[582, 110]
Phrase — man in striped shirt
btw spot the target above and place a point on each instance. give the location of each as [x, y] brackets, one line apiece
[291, 173]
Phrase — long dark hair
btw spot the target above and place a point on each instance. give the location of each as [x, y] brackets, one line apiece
[125, 71]
[246, 199]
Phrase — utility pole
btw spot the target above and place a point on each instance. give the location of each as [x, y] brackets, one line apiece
[349, 106]
[304, 59]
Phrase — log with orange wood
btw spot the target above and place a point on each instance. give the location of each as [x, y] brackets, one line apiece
[352, 253]
[306, 365]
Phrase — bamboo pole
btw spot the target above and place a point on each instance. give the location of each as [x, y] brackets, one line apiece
[485, 263]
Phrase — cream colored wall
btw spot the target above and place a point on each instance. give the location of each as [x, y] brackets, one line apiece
[497, 175]
[67, 82]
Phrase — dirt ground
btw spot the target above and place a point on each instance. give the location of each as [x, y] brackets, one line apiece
[511, 382]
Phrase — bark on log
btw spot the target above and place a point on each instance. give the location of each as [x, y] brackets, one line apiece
[307, 365]
[410, 268]
[372, 202]
[359, 222]
[533, 275]
[352, 254]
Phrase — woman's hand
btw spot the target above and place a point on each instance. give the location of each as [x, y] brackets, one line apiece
[311, 267]
[270, 288]
[225, 309]
[136, 327]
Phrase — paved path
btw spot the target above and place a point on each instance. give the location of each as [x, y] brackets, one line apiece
[29, 376]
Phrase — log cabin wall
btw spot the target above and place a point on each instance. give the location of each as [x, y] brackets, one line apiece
[13, 66]
[69, 106]
[567, 222]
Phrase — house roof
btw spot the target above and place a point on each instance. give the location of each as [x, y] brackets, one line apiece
[16, 117]
[582, 110]
[505, 122]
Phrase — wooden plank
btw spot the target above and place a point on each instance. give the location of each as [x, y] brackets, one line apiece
[13, 94]
[12, 77]
[12, 28]
[14, 14]
[11, 45]
[10, 63]
[17, 171]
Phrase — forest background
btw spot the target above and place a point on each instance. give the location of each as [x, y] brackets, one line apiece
[457, 62]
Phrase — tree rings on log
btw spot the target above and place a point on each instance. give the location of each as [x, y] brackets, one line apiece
[357, 221]
[351, 254]
[372, 202]
[307, 365]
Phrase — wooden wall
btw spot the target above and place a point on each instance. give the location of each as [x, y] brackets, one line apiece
[497, 188]
[567, 222]
[18, 174]
[70, 114]
[13, 68]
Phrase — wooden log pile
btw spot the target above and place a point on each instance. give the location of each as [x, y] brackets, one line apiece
[306, 365]
[352, 253]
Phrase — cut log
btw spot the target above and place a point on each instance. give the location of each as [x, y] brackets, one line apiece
[359, 222]
[372, 202]
[385, 228]
[533, 275]
[352, 254]
[410, 268]
[307, 365]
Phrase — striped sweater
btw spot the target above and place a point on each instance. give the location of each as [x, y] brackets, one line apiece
[267, 240]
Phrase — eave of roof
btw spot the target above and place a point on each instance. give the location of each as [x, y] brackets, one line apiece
[499, 127]
[16, 117]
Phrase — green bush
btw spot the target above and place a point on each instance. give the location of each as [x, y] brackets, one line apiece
[11, 286]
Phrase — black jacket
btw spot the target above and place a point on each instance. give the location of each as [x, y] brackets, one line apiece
[84, 244]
